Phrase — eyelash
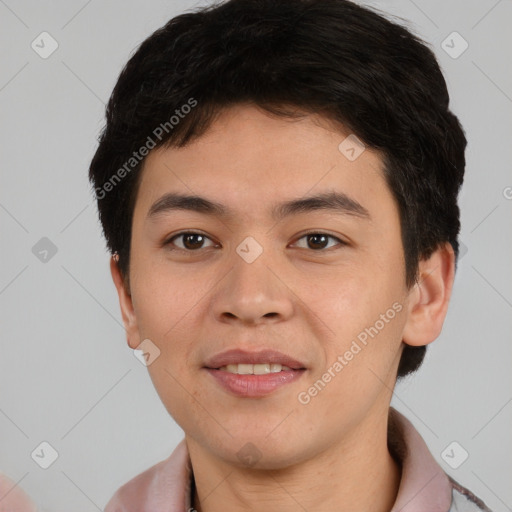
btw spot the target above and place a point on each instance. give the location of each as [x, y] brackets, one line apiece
[182, 233]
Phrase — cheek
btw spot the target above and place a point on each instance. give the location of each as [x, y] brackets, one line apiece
[175, 392]
[163, 300]
[359, 367]
[365, 318]
[344, 301]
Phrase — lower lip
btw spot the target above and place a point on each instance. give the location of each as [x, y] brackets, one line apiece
[253, 386]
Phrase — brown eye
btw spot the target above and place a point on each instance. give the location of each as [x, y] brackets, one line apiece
[191, 241]
[319, 241]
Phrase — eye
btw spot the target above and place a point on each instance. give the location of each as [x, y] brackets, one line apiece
[318, 240]
[192, 241]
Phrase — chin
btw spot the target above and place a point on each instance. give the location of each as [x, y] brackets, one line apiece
[259, 452]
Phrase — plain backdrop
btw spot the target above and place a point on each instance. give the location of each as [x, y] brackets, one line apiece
[67, 376]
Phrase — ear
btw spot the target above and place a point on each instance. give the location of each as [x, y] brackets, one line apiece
[126, 304]
[429, 297]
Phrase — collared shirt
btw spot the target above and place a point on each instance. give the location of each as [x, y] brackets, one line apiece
[424, 486]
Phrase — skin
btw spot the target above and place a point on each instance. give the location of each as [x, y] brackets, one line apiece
[296, 297]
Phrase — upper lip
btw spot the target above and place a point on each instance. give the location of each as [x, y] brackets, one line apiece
[235, 356]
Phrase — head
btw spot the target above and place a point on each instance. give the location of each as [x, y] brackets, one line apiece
[251, 104]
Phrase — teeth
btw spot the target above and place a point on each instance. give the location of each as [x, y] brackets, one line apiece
[254, 369]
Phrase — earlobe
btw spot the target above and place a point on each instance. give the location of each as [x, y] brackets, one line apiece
[126, 305]
[430, 296]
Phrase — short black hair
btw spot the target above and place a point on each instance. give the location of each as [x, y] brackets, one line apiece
[370, 75]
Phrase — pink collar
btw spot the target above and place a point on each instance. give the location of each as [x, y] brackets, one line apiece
[424, 486]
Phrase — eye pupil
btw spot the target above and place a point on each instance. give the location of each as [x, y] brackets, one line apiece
[186, 239]
[315, 238]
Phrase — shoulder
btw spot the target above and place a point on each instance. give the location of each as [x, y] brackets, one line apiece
[161, 487]
[463, 500]
[134, 493]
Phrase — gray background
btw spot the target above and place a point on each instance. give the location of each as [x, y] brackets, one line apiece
[66, 374]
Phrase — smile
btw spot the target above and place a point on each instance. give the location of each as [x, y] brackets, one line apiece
[254, 369]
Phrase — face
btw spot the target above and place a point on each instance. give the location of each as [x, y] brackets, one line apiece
[318, 285]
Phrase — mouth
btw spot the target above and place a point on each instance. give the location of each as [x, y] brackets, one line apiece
[253, 374]
[261, 362]
[254, 369]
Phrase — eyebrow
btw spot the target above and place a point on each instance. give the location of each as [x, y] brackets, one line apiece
[336, 202]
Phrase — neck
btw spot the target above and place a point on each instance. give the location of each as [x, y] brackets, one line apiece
[356, 474]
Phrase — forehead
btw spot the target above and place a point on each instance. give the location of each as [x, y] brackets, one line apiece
[250, 159]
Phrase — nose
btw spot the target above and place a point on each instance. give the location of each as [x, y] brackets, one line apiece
[253, 293]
